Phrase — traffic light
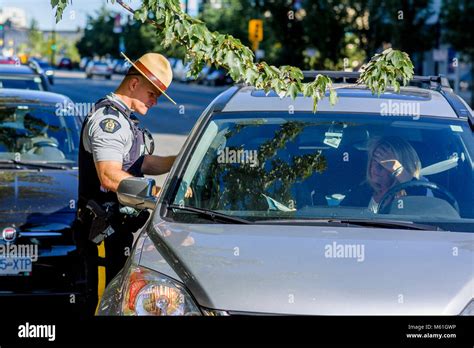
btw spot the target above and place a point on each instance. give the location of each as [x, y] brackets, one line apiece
[2, 35]
[53, 47]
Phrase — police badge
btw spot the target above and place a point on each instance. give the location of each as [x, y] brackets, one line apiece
[110, 125]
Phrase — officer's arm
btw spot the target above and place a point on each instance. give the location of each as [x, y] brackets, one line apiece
[110, 174]
[157, 165]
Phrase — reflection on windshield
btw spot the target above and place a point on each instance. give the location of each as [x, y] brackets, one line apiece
[37, 135]
[326, 166]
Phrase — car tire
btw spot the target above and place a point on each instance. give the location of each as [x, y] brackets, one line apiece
[108, 77]
[89, 76]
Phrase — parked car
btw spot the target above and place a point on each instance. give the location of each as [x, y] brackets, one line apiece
[121, 66]
[96, 68]
[217, 77]
[22, 77]
[267, 229]
[83, 63]
[39, 144]
[65, 63]
[8, 60]
[42, 67]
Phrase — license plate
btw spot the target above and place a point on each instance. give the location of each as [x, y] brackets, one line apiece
[15, 266]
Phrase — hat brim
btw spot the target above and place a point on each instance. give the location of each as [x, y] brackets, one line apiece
[144, 75]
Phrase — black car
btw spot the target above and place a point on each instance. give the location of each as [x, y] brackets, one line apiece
[39, 142]
[65, 63]
[22, 77]
[42, 67]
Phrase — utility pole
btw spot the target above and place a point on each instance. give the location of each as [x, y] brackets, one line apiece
[53, 47]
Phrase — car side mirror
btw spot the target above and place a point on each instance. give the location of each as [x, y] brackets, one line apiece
[137, 193]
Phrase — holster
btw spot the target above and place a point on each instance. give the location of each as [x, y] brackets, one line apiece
[100, 218]
[104, 220]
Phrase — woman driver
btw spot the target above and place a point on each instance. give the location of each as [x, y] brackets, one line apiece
[391, 161]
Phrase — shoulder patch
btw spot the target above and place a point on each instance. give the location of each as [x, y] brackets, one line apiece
[110, 125]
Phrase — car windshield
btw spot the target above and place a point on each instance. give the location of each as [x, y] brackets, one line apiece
[305, 167]
[19, 82]
[38, 134]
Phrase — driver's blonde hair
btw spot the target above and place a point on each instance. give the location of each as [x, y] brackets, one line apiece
[401, 149]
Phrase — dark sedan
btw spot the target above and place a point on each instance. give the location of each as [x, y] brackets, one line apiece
[39, 139]
[22, 77]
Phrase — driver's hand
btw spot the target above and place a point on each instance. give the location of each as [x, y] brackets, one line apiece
[189, 192]
[386, 159]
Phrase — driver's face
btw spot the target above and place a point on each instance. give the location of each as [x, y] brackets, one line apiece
[379, 176]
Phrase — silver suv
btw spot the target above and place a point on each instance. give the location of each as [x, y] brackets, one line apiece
[363, 208]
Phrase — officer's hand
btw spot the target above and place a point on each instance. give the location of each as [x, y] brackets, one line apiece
[189, 192]
[156, 190]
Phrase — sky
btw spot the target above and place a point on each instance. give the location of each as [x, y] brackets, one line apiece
[74, 16]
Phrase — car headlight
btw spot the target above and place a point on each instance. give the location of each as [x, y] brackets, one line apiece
[49, 72]
[152, 293]
[469, 309]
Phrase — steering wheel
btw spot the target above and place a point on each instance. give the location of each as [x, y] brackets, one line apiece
[382, 207]
[45, 143]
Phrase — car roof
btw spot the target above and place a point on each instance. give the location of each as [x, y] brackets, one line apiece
[16, 69]
[351, 99]
[28, 96]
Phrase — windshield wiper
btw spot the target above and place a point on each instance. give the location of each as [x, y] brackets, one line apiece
[409, 225]
[35, 164]
[391, 224]
[210, 214]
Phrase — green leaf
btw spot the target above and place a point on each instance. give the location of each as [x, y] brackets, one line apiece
[251, 76]
[315, 104]
[332, 97]
[293, 90]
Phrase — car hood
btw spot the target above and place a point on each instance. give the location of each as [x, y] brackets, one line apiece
[34, 197]
[317, 270]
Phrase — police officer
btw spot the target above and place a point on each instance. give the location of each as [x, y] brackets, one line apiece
[112, 148]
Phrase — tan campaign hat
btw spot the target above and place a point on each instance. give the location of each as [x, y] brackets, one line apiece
[156, 69]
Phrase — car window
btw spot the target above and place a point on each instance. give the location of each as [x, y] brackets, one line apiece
[270, 165]
[33, 83]
[30, 133]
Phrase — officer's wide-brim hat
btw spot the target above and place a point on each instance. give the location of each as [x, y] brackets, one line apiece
[156, 69]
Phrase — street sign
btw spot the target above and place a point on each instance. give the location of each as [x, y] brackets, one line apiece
[255, 30]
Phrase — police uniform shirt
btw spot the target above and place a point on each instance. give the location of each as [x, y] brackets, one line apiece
[108, 134]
